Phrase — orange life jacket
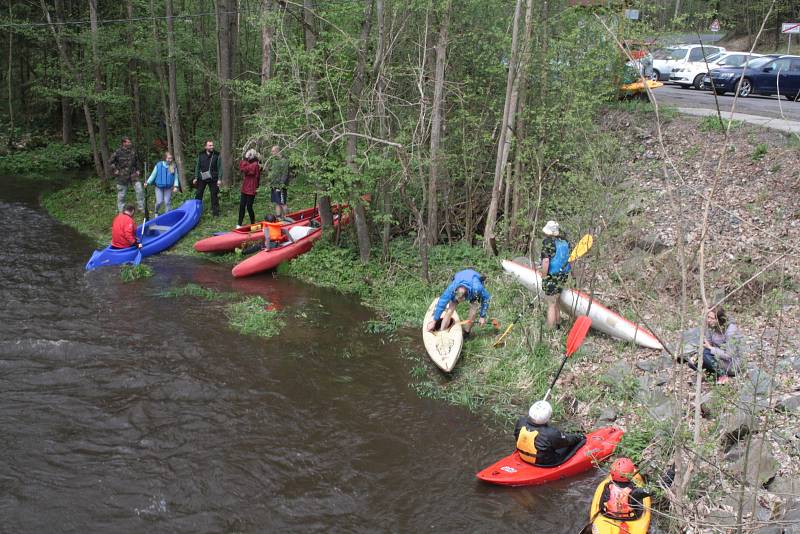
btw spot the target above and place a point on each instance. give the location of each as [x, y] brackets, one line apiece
[526, 445]
[274, 230]
[618, 505]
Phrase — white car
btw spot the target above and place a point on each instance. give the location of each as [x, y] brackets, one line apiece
[692, 73]
[666, 59]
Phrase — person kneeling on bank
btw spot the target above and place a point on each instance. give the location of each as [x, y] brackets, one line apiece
[540, 444]
[123, 229]
[622, 498]
[466, 285]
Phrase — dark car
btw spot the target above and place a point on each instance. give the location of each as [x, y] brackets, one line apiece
[762, 76]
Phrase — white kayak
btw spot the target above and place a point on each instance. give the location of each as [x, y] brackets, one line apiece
[443, 346]
[575, 303]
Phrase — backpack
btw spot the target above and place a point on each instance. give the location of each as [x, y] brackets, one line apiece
[559, 263]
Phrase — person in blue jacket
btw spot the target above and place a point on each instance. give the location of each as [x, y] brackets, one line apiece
[165, 176]
[466, 285]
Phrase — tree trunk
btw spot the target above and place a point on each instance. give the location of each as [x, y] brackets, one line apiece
[267, 31]
[65, 63]
[227, 30]
[161, 75]
[10, 84]
[356, 89]
[504, 143]
[66, 103]
[174, 118]
[436, 126]
[99, 88]
[133, 83]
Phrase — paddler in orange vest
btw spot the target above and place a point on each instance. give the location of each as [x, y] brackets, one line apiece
[540, 444]
[622, 498]
[273, 233]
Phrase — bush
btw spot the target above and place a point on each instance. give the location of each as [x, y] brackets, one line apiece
[129, 273]
[53, 157]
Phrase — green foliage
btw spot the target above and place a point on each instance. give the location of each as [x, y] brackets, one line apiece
[197, 291]
[712, 123]
[759, 152]
[130, 273]
[52, 157]
[251, 317]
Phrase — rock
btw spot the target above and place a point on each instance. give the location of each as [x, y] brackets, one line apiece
[761, 466]
[635, 207]
[658, 364]
[789, 403]
[651, 243]
[786, 488]
[792, 363]
[757, 381]
[658, 405]
[618, 372]
[735, 426]
[690, 339]
[708, 407]
[753, 506]
[608, 415]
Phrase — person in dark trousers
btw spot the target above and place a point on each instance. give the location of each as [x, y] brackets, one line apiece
[208, 172]
[251, 174]
[279, 181]
[466, 285]
[622, 498]
[540, 444]
[125, 168]
[123, 229]
[555, 269]
[721, 346]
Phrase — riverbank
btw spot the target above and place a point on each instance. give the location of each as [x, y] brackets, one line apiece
[649, 220]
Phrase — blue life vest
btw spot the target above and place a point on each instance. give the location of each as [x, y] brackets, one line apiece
[164, 179]
[559, 263]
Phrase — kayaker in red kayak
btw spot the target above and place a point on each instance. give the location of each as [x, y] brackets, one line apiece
[123, 229]
[622, 498]
[540, 444]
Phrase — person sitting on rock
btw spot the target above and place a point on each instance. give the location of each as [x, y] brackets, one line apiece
[721, 346]
[540, 444]
[622, 498]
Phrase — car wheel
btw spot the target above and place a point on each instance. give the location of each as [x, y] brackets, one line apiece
[683, 86]
[698, 81]
[655, 75]
[746, 88]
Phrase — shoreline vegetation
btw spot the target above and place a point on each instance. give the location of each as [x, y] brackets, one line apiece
[607, 381]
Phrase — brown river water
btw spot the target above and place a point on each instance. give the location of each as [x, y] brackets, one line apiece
[123, 411]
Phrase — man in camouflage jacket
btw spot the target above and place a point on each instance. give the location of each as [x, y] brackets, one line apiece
[125, 169]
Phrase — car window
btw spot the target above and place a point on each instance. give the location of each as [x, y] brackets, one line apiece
[714, 57]
[759, 62]
[733, 60]
[662, 53]
[779, 65]
[794, 68]
[696, 54]
[677, 54]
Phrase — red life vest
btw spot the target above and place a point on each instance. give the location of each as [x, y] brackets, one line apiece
[618, 505]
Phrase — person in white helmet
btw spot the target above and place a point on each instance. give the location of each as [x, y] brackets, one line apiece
[555, 269]
[540, 444]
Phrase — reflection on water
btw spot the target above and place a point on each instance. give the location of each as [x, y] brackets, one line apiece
[121, 411]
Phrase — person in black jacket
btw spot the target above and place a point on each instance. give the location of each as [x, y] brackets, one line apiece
[540, 444]
[208, 172]
[622, 498]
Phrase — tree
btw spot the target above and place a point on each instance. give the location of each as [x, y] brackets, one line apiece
[102, 140]
[174, 117]
[227, 32]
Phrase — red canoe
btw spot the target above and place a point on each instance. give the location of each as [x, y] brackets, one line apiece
[513, 471]
[250, 234]
[269, 259]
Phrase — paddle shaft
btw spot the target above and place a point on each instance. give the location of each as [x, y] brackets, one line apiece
[555, 378]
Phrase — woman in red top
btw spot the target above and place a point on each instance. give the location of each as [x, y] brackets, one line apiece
[123, 229]
[251, 171]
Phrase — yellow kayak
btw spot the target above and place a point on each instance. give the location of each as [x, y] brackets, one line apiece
[636, 87]
[606, 525]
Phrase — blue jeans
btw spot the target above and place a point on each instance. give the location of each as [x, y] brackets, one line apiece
[163, 196]
[709, 363]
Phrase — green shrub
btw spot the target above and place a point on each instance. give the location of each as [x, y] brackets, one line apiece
[53, 157]
[129, 273]
[251, 317]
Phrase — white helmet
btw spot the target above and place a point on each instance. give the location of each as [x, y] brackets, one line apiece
[540, 412]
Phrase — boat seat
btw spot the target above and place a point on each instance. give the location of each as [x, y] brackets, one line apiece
[158, 228]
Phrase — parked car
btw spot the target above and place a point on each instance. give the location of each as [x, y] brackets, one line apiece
[666, 59]
[693, 72]
[762, 76]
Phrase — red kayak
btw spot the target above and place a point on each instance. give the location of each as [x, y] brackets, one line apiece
[250, 234]
[269, 259]
[513, 471]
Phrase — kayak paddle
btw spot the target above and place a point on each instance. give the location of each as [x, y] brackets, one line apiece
[508, 329]
[574, 340]
[582, 247]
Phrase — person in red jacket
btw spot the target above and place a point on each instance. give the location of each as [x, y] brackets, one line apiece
[123, 229]
[251, 171]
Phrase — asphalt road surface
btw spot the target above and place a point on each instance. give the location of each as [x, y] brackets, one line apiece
[763, 106]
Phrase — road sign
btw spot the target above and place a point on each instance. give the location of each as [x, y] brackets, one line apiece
[790, 27]
[715, 25]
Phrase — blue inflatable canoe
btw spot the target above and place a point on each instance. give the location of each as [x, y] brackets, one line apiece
[159, 234]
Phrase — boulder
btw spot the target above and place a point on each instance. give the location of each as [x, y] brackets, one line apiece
[608, 415]
[789, 403]
[757, 381]
[753, 506]
[735, 425]
[651, 243]
[618, 372]
[658, 405]
[758, 466]
[655, 365]
[786, 488]
[792, 363]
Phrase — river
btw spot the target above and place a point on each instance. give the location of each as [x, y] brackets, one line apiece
[124, 411]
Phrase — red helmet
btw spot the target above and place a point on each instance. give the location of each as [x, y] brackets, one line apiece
[622, 470]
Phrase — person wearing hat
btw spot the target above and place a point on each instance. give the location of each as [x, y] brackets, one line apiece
[541, 444]
[251, 174]
[466, 285]
[622, 498]
[555, 269]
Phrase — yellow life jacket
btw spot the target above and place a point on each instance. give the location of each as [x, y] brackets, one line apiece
[526, 444]
[618, 505]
